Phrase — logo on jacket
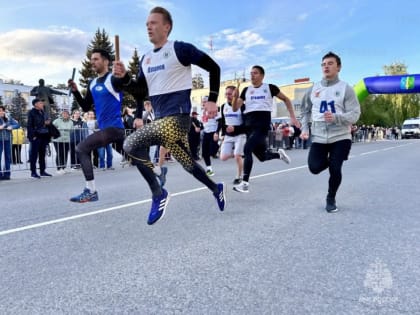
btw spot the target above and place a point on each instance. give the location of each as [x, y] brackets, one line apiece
[99, 88]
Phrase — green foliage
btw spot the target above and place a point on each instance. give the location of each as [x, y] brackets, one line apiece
[134, 64]
[18, 108]
[133, 69]
[197, 81]
[100, 40]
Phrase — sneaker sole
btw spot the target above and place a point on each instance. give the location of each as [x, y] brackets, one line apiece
[332, 211]
[284, 157]
[163, 211]
[84, 200]
[241, 191]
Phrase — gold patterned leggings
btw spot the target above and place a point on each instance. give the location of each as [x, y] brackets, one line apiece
[170, 132]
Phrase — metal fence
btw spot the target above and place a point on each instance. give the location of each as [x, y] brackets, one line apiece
[62, 155]
[57, 152]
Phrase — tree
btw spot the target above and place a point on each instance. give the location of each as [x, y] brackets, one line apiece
[133, 70]
[395, 68]
[100, 40]
[134, 64]
[197, 81]
[18, 108]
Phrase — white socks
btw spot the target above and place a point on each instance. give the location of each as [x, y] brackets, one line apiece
[157, 170]
[90, 184]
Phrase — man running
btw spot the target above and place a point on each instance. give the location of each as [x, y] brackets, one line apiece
[102, 92]
[165, 77]
[258, 98]
[233, 133]
[333, 108]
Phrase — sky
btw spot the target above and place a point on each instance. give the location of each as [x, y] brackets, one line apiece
[47, 39]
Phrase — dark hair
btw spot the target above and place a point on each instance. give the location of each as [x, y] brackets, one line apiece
[102, 52]
[330, 54]
[259, 68]
[166, 16]
[4, 109]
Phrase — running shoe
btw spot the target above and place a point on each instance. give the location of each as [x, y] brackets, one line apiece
[284, 156]
[210, 173]
[162, 176]
[85, 196]
[158, 207]
[237, 180]
[330, 205]
[45, 174]
[242, 187]
[220, 196]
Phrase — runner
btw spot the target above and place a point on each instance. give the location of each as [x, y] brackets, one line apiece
[165, 78]
[257, 115]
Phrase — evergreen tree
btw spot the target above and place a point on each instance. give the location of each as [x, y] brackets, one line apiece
[134, 64]
[197, 81]
[100, 40]
[18, 108]
[133, 70]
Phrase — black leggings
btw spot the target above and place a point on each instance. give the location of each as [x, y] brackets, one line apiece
[96, 140]
[172, 133]
[207, 147]
[331, 155]
[256, 143]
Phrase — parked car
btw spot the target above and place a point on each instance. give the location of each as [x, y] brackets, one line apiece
[411, 128]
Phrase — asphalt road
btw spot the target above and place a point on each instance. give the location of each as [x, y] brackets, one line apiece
[272, 251]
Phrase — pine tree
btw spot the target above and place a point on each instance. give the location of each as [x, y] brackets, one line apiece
[134, 64]
[18, 108]
[100, 40]
[133, 69]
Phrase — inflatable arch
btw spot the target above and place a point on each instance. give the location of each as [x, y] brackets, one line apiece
[392, 84]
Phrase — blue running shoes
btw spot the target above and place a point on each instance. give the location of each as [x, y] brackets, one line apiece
[85, 196]
[158, 207]
[220, 196]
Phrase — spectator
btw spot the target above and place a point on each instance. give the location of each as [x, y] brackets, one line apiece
[92, 126]
[39, 137]
[18, 138]
[101, 152]
[77, 134]
[62, 143]
[6, 126]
